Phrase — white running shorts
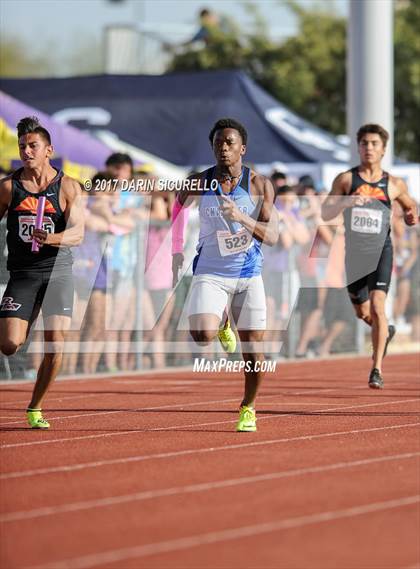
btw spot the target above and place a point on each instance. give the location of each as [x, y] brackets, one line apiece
[211, 294]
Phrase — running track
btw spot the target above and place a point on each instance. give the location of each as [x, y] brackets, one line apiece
[147, 472]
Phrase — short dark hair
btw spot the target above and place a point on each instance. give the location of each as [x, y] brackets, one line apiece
[28, 125]
[276, 175]
[119, 158]
[229, 123]
[282, 190]
[100, 176]
[306, 181]
[373, 129]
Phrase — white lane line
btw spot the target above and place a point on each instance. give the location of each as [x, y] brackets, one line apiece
[65, 397]
[13, 417]
[194, 488]
[104, 412]
[142, 409]
[118, 555]
[189, 452]
[195, 425]
[281, 394]
[135, 383]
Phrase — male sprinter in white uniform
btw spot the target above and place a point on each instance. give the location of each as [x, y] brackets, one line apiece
[236, 216]
[42, 279]
[364, 194]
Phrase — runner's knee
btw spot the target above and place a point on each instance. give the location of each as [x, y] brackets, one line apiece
[363, 313]
[9, 347]
[54, 343]
[365, 317]
[377, 309]
[203, 337]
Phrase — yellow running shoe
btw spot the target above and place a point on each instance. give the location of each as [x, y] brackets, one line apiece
[36, 420]
[247, 419]
[227, 338]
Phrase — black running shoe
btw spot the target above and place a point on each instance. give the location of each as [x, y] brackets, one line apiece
[391, 334]
[375, 379]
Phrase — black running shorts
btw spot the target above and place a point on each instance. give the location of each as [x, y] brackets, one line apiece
[27, 291]
[379, 279]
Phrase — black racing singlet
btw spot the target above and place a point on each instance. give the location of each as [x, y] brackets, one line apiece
[368, 227]
[21, 222]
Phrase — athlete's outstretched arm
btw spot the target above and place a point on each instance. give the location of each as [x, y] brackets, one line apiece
[74, 214]
[336, 201]
[183, 200]
[265, 227]
[411, 214]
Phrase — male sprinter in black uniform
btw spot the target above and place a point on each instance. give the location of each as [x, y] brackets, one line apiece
[42, 279]
[364, 194]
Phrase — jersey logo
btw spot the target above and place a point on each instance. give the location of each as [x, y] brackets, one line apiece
[371, 192]
[31, 203]
[8, 304]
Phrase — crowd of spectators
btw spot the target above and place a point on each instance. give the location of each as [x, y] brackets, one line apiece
[123, 281]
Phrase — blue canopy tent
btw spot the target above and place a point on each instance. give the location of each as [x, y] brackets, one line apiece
[171, 115]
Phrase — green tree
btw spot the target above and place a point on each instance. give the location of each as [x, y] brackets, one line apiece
[307, 72]
[407, 80]
[15, 61]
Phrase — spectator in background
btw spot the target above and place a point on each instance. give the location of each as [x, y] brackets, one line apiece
[279, 181]
[338, 311]
[91, 273]
[81, 264]
[278, 261]
[413, 309]
[405, 255]
[122, 312]
[210, 23]
[158, 299]
[312, 266]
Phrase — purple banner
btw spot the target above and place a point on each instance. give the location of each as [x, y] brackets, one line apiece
[69, 142]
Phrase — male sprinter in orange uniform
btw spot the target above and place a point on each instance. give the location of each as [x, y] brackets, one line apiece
[364, 194]
[236, 216]
[43, 279]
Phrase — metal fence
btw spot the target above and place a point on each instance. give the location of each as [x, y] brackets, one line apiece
[142, 323]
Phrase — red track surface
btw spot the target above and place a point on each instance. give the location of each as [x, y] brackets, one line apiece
[147, 472]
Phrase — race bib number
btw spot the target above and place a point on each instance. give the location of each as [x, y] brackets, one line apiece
[27, 226]
[233, 243]
[366, 220]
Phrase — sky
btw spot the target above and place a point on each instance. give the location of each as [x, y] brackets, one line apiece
[61, 27]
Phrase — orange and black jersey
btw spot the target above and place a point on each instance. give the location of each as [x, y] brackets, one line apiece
[21, 222]
[367, 227]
